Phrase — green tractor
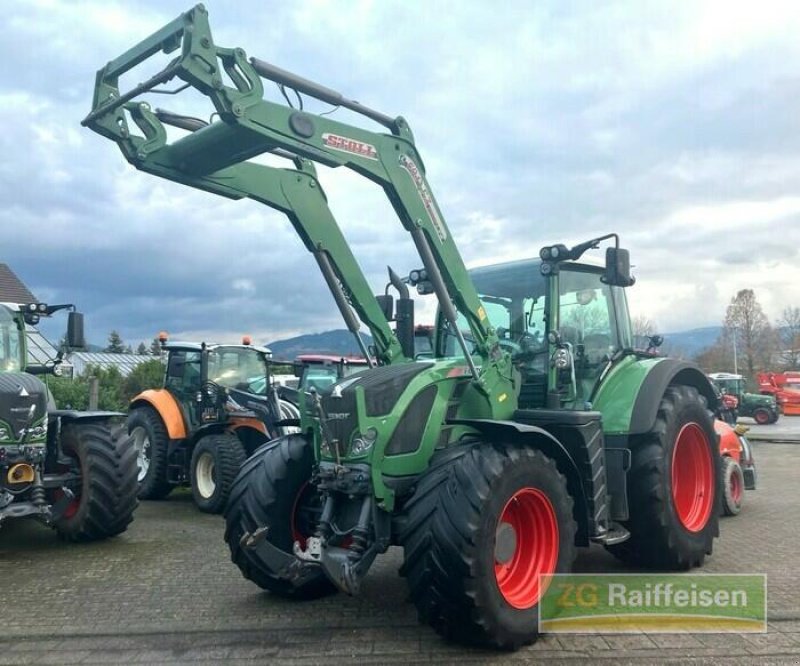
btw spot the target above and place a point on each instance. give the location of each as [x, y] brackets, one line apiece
[74, 471]
[533, 428]
[763, 409]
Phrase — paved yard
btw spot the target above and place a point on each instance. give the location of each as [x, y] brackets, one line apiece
[166, 592]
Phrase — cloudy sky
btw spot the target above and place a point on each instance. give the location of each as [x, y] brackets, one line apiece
[674, 124]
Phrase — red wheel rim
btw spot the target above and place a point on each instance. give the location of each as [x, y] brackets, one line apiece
[298, 532]
[529, 530]
[736, 486]
[692, 477]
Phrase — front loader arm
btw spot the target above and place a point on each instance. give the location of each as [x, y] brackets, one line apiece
[251, 125]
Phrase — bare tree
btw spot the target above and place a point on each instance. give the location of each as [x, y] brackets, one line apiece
[748, 332]
[643, 326]
[789, 325]
[715, 358]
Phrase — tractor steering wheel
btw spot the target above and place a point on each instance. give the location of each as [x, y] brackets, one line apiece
[526, 345]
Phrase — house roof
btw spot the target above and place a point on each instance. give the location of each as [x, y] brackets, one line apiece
[12, 289]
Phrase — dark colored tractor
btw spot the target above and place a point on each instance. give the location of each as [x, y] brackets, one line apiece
[74, 471]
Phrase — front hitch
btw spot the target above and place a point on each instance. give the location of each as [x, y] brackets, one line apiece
[288, 567]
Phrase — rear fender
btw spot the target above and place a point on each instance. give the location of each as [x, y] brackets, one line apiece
[647, 379]
[167, 407]
[538, 438]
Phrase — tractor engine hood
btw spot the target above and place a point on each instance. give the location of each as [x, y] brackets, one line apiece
[23, 410]
[382, 388]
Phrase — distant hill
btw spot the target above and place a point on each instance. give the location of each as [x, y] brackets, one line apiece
[683, 343]
[338, 342]
[689, 343]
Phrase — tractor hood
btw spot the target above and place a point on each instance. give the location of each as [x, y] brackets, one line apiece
[23, 410]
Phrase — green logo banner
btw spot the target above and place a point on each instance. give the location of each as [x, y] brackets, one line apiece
[654, 603]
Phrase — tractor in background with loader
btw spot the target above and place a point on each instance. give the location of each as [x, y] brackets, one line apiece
[74, 471]
[216, 407]
[534, 428]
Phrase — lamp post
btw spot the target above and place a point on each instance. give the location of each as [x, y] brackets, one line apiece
[735, 358]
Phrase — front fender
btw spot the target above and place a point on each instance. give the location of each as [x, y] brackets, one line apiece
[68, 415]
[631, 393]
[167, 408]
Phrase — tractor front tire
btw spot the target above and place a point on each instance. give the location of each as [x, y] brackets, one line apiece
[477, 533]
[273, 490]
[763, 416]
[732, 487]
[216, 460]
[674, 488]
[151, 442]
[106, 496]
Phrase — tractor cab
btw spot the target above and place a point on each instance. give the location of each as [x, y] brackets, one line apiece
[321, 371]
[12, 347]
[213, 382]
[572, 322]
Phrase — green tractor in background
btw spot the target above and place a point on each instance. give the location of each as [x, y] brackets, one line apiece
[533, 427]
[763, 409]
[74, 471]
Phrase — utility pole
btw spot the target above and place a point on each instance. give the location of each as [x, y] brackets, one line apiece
[735, 360]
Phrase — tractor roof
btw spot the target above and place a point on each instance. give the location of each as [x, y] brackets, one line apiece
[198, 346]
[723, 375]
[331, 358]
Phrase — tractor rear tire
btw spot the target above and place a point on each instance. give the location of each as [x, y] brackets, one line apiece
[106, 498]
[273, 490]
[216, 460]
[151, 443]
[477, 533]
[763, 416]
[732, 487]
[674, 489]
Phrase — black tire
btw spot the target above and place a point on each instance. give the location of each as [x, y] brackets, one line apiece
[732, 487]
[106, 496]
[450, 536]
[216, 460]
[271, 490]
[659, 539]
[763, 416]
[151, 443]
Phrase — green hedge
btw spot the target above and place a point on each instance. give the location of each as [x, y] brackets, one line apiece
[114, 390]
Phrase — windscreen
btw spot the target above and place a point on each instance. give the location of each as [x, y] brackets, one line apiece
[11, 347]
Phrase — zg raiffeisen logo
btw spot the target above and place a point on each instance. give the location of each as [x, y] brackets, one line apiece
[654, 603]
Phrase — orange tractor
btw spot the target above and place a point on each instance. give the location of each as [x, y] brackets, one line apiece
[216, 407]
[738, 466]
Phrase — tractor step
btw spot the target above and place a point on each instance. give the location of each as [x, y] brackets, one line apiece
[616, 534]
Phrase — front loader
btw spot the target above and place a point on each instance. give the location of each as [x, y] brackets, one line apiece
[533, 428]
[73, 471]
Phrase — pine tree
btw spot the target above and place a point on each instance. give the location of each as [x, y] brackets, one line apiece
[141, 350]
[115, 343]
[155, 347]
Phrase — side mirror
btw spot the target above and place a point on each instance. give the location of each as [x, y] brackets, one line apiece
[297, 368]
[386, 303]
[75, 339]
[618, 268]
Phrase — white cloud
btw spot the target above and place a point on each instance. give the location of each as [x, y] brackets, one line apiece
[538, 123]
